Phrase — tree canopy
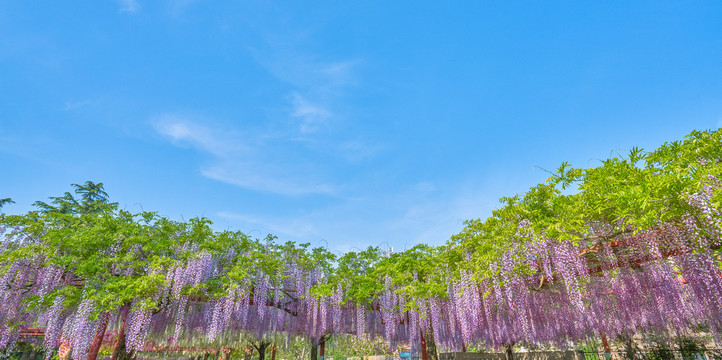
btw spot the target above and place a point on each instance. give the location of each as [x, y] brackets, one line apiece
[630, 245]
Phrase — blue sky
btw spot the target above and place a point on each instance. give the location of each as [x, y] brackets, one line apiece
[343, 124]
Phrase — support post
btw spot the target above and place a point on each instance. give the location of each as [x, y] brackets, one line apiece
[322, 349]
[99, 335]
[248, 353]
[119, 349]
[607, 349]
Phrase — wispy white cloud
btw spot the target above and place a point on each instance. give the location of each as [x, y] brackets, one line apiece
[185, 130]
[340, 73]
[129, 6]
[246, 160]
[252, 175]
[177, 7]
[319, 89]
[399, 219]
[311, 116]
[319, 83]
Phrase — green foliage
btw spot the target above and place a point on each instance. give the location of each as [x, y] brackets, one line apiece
[355, 272]
[6, 201]
[110, 256]
[661, 351]
[583, 205]
[690, 349]
[621, 195]
[419, 273]
[114, 257]
[93, 199]
[345, 346]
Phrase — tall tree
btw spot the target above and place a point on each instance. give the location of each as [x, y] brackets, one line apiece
[6, 201]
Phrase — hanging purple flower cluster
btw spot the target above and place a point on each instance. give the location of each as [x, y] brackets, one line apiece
[660, 280]
[663, 279]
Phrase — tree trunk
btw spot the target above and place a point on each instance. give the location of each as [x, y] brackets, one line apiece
[273, 352]
[119, 352]
[314, 349]
[631, 351]
[424, 353]
[428, 345]
[99, 334]
[262, 349]
[509, 351]
[64, 349]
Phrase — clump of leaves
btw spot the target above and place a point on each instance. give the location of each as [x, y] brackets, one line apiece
[690, 348]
